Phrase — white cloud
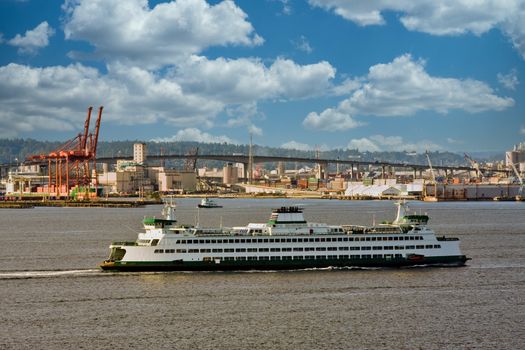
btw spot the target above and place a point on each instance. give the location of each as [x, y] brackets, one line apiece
[244, 80]
[304, 147]
[379, 143]
[31, 97]
[194, 134]
[445, 17]
[34, 39]
[510, 80]
[454, 141]
[403, 88]
[303, 45]
[132, 32]
[330, 120]
[522, 130]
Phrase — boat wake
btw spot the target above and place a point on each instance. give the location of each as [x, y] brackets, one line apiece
[47, 273]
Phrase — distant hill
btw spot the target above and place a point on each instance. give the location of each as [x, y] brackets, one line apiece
[12, 150]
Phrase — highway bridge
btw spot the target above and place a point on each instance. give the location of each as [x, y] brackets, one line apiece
[244, 159]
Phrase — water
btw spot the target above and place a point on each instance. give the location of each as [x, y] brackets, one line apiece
[53, 296]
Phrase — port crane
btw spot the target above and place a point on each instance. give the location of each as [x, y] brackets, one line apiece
[474, 164]
[69, 165]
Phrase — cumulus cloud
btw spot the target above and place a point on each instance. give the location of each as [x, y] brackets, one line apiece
[302, 44]
[445, 17]
[379, 143]
[194, 134]
[133, 32]
[509, 80]
[242, 80]
[304, 147]
[130, 96]
[403, 88]
[330, 120]
[34, 39]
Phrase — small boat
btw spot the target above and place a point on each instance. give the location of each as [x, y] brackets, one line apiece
[208, 203]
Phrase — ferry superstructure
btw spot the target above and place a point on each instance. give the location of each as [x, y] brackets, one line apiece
[286, 241]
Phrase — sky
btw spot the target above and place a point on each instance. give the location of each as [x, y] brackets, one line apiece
[376, 75]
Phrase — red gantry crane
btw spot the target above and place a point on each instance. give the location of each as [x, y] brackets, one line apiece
[69, 165]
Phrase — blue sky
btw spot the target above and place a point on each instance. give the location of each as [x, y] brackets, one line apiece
[375, 75]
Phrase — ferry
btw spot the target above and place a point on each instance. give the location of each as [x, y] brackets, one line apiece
[208, 203]
[286, 242]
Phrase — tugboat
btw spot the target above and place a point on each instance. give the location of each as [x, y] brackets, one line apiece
[287, 241]
[208, 203]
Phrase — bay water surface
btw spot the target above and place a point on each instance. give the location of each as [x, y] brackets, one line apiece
[53, 296]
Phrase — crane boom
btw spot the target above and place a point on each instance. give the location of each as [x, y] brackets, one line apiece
[431, 169]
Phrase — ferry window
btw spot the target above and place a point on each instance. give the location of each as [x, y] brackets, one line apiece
[287, 249]
[229, 250]
[252, 258]
[378, 255]
[397, 255]
[264, 258]
[275, 258]
[289, 240]
[240, 250]
[287, 258]
[366, 256]
[367, 238]
[328, 239]
[343, 248]
[323, 239]
[355, 248]
[366, 248]
[388, 247]
[355, 256]
[294, 240]
[399, 247]
[317, 239]
[205, 250]
[154, 242]
[343, 256]
[298, 249]
[377, 248]
[411, 238]
[259, 240]
[320, 257]
[193, 250]
[240, 258]
[390, 238]
[340, 239]
[332, 248]
[178, 251]
[237, 241]
[299, 240]
[351, 239]
[309, 249]
[263, 249]
[320, 249]
[311, 231]
[243, 241]
[396, 238]
[437, 246]
[275, 249]
[420, 247]
[374, 238]
[410, 247]
[298, 257]
[265, 240]
[251, 250]
[429, 246]
[272, 240]
[216, 250]
[331, 257]
[230, 241]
